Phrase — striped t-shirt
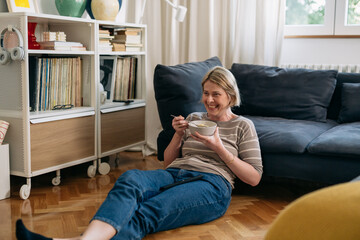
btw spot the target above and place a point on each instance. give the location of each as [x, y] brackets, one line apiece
[238, 136]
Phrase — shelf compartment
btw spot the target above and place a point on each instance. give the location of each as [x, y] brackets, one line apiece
[46, 77]
[122, 128]
[59, 142]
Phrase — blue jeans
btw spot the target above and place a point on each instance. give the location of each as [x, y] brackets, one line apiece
[136, 207]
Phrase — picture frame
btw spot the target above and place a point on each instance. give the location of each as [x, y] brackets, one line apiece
[107, 75]
[22, 6]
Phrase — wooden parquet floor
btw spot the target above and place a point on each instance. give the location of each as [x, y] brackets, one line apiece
[65, 210]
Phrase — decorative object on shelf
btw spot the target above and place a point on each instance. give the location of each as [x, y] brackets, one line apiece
[33, 44]
[22, 6]
[3, 128]
[11, 45]
[103, 9]
[71, 8]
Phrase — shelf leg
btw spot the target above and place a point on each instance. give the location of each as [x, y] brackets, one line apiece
[56, 180]
[25, 189]
[91, 172]
[143, 150]
[117, 160]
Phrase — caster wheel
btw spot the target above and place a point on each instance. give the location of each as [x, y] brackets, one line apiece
[25, 191]
[56, 181]
[104, 168]
[91, 172]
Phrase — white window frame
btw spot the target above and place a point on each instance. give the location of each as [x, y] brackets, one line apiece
[341, 26]
[334, 22]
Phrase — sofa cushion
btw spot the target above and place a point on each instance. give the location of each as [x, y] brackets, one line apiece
[302, 94]
[178, 88]
[279, 135]
[342, 140]
[335, 104]
[350, 103]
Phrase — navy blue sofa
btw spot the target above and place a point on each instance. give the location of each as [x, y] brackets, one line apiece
[308, 121]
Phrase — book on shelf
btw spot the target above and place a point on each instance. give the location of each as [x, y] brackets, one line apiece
[135, 39]
[65, 48]
[119, 47]
[62, 46]
[59, 43]
[104, 31]
[105, 36]
[54, 36]
[125, 79]
[133, 47]
[104, 40]
[127, 31]
[105, 48]
[56, 81]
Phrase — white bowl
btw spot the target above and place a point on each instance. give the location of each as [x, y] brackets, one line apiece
[203, 127]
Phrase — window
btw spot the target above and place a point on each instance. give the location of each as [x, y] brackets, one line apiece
[353, 12]
[322, 17]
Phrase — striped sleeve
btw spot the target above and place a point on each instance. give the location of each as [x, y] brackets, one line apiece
[249, 147]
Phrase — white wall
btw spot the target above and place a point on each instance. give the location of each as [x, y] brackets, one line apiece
[321, 51]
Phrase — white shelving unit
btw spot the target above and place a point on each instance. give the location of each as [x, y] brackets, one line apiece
[47, 141]
[122, 125]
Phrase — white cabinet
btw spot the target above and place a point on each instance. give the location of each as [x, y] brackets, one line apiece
[50, 140]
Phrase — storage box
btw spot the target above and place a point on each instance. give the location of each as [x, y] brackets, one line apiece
[4, 172]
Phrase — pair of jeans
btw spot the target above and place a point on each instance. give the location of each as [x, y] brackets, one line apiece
[136, 206]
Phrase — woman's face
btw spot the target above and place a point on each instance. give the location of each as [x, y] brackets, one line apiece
[216, 101]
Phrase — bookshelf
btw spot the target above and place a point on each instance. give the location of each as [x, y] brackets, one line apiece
[121, 118]
[44, 140]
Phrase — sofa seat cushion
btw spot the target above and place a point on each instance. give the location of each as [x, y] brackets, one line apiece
[280, 135]
[341, 140]
[302, 94]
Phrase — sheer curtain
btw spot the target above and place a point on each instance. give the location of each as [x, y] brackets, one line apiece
[237, 31]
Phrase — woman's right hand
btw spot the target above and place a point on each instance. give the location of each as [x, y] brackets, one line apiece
[180, 124]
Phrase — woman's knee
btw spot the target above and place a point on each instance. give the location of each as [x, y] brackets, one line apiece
[130, 177]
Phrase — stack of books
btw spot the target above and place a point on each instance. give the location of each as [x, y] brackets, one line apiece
[62, 46]
[127, 39]
[54, 36]
[104, 40]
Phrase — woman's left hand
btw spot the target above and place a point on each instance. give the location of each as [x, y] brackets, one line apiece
[213, 142]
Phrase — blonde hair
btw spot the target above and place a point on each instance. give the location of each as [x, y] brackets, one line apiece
[226, 80]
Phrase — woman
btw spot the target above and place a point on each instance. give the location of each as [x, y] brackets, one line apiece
[203, 169]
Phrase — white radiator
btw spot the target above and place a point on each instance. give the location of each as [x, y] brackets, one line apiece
[348, 68]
